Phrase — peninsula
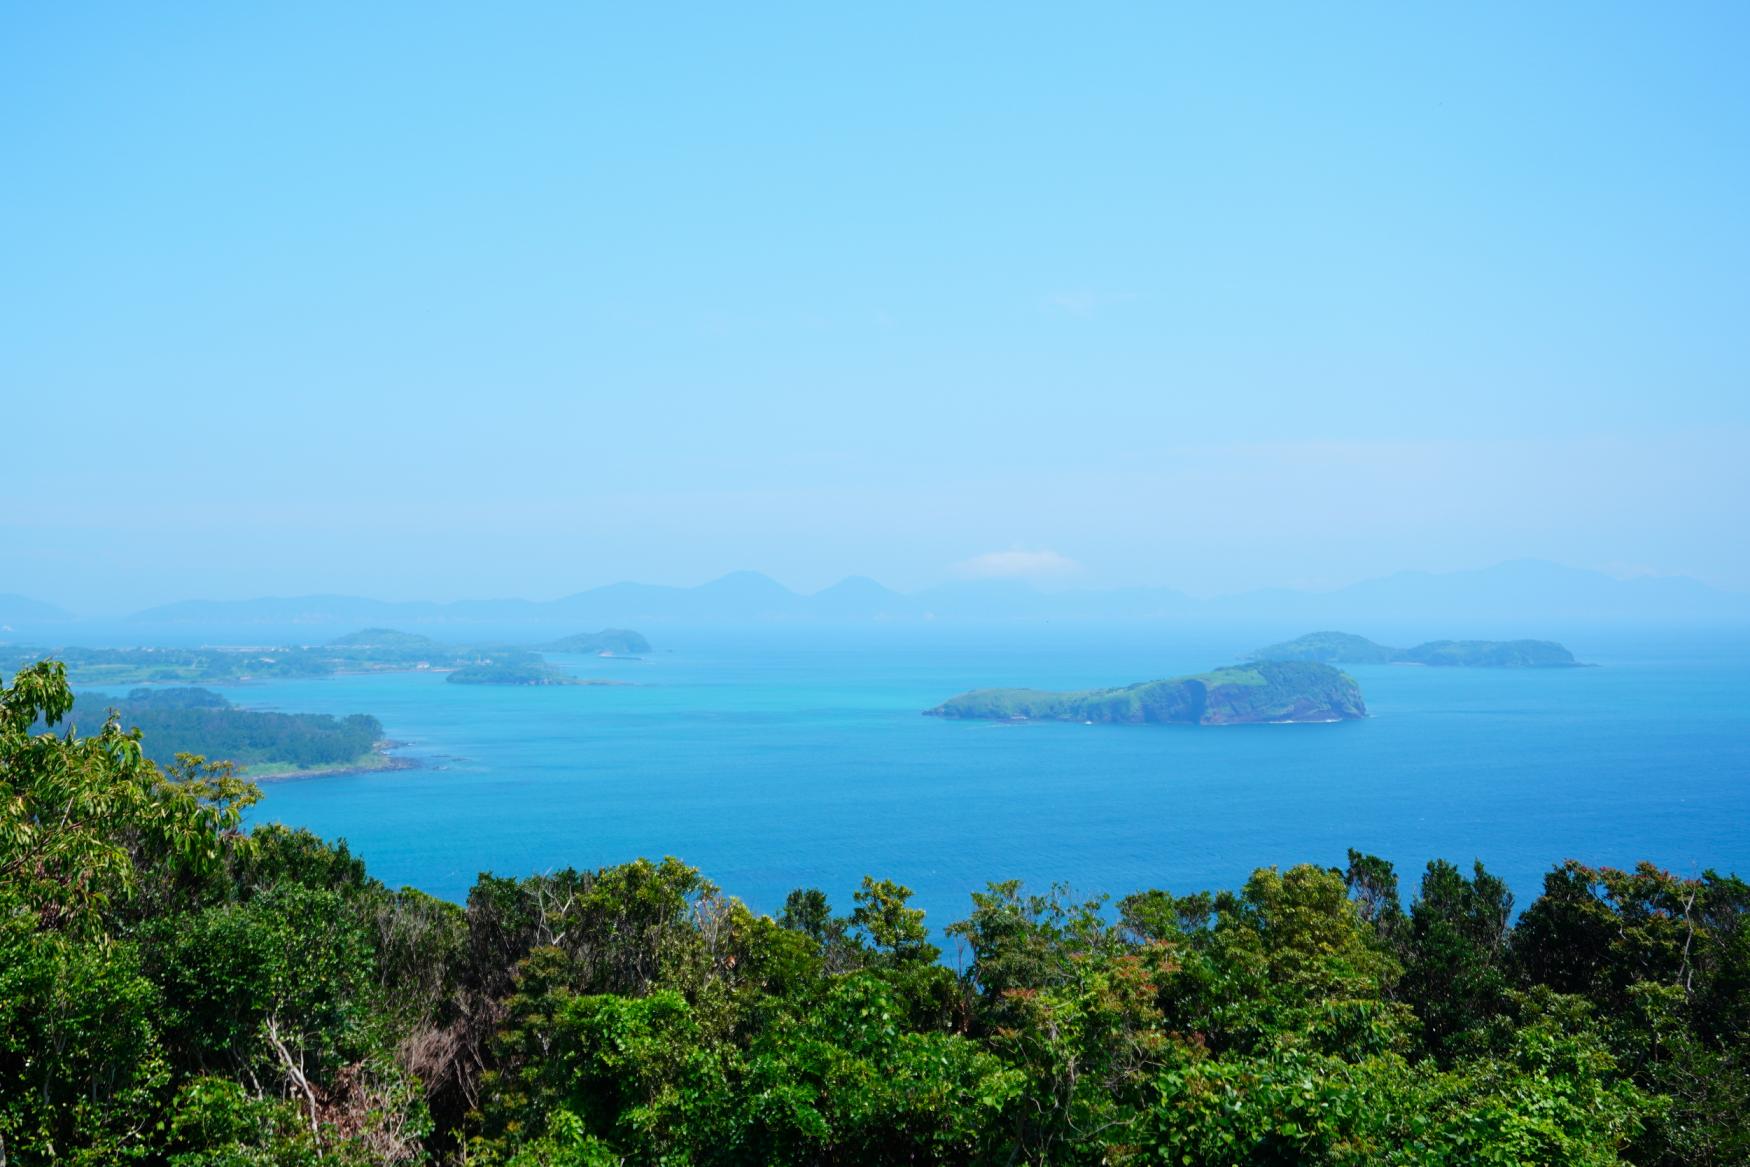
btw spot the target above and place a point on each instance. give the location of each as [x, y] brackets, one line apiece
[1347, 648]
[1266, 692]
[263, 743]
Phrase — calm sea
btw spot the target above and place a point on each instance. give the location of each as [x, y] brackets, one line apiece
[786, 760]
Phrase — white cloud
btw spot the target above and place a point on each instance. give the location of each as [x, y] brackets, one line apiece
[1017, 565]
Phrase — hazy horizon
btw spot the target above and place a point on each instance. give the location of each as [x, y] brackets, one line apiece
[435, 304]
[1043, 582]
[1523, 598]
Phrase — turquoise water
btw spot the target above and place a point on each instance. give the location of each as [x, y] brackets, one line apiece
[786, 761]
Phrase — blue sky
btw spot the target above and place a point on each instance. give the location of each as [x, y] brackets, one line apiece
[437, 301]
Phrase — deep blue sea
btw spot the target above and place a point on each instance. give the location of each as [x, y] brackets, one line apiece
[782, 760]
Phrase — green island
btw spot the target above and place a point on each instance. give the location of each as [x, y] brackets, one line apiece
[176, 990]
[607, 642]
[1274, 692]
[386, 648]
[263, 744]
[520, 668]
[368, 650]
[1347, 648]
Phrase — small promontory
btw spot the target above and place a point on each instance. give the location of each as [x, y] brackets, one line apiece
[1267, 692]
[1347, 648]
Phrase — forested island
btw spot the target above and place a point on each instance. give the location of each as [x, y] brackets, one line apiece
[262, 744]
[368, 650]
[1347, 648]
[607, 642]
[530, 671]
[1275, 692]
[520, 669]
[176, 991]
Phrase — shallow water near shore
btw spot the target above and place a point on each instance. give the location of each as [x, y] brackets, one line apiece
[789, 759]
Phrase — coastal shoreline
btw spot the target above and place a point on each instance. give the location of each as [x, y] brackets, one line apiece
[379, 761]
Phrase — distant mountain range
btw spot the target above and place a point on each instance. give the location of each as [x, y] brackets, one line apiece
[1509, 595]
[22, 610]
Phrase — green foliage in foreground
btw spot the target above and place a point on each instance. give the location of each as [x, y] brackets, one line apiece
[175, 992]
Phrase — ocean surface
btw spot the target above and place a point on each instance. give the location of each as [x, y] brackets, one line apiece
[787, 759]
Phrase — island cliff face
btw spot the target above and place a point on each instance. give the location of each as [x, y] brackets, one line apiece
[1269, 692]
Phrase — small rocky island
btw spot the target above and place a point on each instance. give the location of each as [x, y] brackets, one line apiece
[1267, 692]
[1349, 649]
